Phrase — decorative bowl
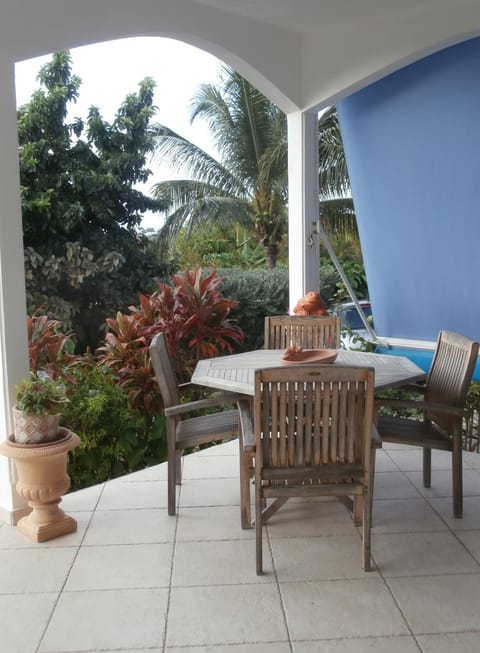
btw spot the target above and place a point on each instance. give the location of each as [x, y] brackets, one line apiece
[322, 356]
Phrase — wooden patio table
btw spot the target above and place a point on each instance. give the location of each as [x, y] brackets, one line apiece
[236, 373]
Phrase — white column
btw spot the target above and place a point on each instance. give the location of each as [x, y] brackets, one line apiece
[13, 330]
[303, 204]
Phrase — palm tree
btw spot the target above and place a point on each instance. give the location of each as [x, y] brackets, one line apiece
[249, 185]
[336, 205]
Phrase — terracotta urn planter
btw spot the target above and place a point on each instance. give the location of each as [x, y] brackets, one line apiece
[42, 481]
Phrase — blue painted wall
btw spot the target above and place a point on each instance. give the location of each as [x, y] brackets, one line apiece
[412, 142]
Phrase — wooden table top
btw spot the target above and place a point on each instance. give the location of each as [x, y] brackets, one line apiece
[235, 373]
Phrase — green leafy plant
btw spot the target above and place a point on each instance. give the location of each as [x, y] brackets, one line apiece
[116, 439]
[471, 425]
[41, 396]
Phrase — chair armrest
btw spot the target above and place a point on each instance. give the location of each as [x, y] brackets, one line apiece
[229, 396]
[246, 423]
[419, 387]
[208, 402]
[422, 405]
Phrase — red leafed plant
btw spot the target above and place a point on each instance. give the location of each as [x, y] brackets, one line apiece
[194, 317]
[49, 347]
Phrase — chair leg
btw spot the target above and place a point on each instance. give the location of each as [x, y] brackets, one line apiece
[373, 460]
[366, 529]
[457, 476]
[427, 467]
[172, 474]
[358, 509]
[245, 507]
[258, 527]
[178, 464]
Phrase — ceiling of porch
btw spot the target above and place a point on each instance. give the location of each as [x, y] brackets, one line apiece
[302, 53]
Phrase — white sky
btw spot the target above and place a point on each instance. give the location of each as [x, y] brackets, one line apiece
[110, 71]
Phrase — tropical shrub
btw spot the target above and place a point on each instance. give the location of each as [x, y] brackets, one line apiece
[257, 293]
[116, 439]
[192, 313]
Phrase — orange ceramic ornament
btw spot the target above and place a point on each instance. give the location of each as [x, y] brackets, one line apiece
[311, 304]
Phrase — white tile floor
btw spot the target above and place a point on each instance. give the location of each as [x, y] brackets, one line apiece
[134, 579]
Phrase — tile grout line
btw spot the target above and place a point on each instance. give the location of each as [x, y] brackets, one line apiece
[172, 564]
[279, 590]
[60, 592]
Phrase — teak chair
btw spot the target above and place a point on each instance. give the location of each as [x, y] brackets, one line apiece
[306, 331]
[313, 437]
[183, 433]
[443, 409]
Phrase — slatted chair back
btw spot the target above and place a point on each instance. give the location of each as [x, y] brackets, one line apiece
[450, 374]
[313, 435]
[163, 370]
[306, 331]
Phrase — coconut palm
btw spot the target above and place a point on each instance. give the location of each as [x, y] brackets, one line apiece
[249, 184]
[336, 205]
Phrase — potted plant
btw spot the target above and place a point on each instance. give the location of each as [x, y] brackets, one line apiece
[37, 412]
[40, 446]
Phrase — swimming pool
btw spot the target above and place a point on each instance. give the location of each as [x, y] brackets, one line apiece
[421, 357]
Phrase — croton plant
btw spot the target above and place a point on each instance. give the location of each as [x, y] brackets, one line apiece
[192, 313]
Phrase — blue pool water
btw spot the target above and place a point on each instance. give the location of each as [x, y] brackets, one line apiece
[421, 357]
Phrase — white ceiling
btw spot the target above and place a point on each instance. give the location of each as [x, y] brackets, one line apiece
[304, 54]
[310, 15]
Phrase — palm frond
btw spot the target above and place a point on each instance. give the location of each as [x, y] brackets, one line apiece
[182, 155]
[333, 172]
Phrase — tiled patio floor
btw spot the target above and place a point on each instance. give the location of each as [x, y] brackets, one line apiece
[134, 579]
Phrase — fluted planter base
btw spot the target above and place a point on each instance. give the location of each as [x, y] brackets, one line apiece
[42, 481]
[46, 522]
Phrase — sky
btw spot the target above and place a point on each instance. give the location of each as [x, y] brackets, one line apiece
[110, 71]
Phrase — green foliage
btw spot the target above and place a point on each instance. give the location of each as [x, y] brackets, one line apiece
[213, 245]
[329, 279]
[85, 256]
[116, 439]
[355, 272]
[259, 293]
[472, 421]
[332, 287]
[248, 185]
[41, 396]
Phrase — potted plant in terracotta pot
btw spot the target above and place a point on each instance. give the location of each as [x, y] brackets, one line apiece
[40, 446]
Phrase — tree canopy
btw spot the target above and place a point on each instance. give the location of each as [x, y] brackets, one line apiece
[81, 208]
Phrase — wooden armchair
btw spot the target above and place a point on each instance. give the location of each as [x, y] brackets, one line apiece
[443, 408]
[183, 433]
[306, 331]
[313, 437]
